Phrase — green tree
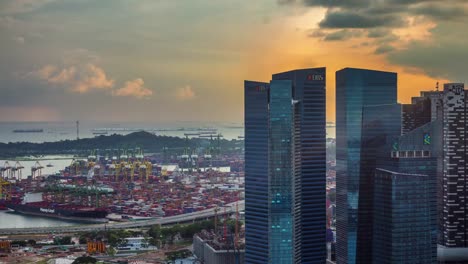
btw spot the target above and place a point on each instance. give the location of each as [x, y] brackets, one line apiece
[85, 260]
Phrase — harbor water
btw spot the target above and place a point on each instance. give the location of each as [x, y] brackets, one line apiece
[13, 220]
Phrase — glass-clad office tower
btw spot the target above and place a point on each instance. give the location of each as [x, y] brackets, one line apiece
[256, 168]
[285, 168]
[404, 208]
[356, 91]
[405, 226]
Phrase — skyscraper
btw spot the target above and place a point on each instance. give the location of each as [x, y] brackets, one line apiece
[404, 214]
[443, 144]
[455, 194]
[256, 170]
[359, 93]
[405, 227]
[285, 168]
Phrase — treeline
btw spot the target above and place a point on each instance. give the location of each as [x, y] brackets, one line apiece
[150, 143]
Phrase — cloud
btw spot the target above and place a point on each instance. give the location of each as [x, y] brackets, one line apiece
[378, 33]
[418, 34]
[384, 49]
[440, 11]
[356, 19]
[77, 78]
[383, 13]
[185, 93]
[443, 57]
[342, 35]
[317, 33]
[135, 89]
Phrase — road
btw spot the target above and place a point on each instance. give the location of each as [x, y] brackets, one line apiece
[185, 218]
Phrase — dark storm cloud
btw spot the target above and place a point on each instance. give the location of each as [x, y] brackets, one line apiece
[382, 13]
[357, 19]
[440, 11]
[337, 3]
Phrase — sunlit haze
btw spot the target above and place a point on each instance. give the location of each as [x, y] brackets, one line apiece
[163, 61]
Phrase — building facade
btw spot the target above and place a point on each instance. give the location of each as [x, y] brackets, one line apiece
[405, 218]
[256, 171]
[439, 149]
[455, 185]
[356, 91]
[286, 127]
[413, 222]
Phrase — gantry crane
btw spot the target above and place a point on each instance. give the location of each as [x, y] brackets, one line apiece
[36, 170]
[17, 171]
[144, 170]
[6, 170]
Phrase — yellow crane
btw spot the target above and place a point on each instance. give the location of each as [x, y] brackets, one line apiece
[5, 193]
[144, 170]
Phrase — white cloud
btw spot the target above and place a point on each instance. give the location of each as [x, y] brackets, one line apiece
[185, 93]
[135, 89]
[77, 78]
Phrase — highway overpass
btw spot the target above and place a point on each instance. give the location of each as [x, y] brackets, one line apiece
[184, 218]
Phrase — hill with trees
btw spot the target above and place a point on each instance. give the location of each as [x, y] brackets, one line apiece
[150, 143]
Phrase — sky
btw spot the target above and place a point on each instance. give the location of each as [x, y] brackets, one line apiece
[186, 60]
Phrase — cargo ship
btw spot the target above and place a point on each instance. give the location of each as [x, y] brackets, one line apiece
[28, 131]
[55, 210]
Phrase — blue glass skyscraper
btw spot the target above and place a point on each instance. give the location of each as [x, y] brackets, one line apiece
[286, 167]
[256, 170]
[404, 213]
[360, 96]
